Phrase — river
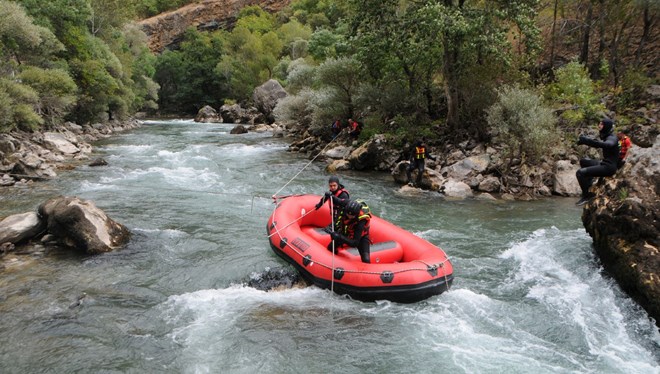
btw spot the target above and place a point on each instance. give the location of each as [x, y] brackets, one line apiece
[529, 296]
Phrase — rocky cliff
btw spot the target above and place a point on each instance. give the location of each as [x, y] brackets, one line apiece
[623, 221]
[167, 28]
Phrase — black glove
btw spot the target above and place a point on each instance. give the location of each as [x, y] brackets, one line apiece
[335, 235]
[328, 194]
[582, 140]
[319, 205]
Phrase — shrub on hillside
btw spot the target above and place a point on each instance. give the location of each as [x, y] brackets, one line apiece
[523, 124]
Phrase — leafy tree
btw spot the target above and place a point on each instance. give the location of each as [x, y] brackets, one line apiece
[250, 60]
[575, 89]
[55, 89]
[19, 112]
[342, 77]
[187, 77]
[322, 44]
[429, 41]
[523, 123]
[256, 20]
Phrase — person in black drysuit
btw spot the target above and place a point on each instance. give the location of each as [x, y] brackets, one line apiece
[594, 168]
[353, 231]
[418, 156]
[339, 195]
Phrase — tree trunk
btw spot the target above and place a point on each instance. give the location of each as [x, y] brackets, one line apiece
[586, 35]
[450, 86]
[553, 38]
[648, 24]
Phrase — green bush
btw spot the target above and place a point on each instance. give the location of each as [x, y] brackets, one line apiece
[574, 88]
[523, 124]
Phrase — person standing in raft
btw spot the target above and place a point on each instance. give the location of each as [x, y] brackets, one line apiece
[624, 146]
[594, 168]
[353, 231]
[417, 161]
[339, 195]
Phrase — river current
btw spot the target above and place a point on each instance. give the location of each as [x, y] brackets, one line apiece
[529, 296]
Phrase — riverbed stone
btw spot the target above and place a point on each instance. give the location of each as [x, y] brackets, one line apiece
[456, 189]
[564, 182]
[266, 97]
[490, 184]
[19, 227]
[208, 115]
[238, 129]
[59, 143]
[82, 225]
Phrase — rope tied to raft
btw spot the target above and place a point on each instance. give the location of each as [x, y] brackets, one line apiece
[309, 163]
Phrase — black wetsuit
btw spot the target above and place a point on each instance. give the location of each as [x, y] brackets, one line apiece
[594, 168]
[418, 161]
[338, 202]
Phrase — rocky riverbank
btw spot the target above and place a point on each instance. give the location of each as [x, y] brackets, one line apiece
[29, 156]
[624, 222]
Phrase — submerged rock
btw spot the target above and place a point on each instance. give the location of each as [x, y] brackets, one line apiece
[277, 278]
[624, 222]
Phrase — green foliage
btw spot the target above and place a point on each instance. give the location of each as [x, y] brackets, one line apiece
[342, 77]
[19, 112]
[623, 193]
[56, 91]
[323, 44]
[574, 88]
[187, 77]
[250, 60]
[631, 89]
[523, 123]
[255, 19]
[149, 8]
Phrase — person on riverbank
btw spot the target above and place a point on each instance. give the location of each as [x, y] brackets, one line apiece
[624, 146]
[339, 195]
[593, 168]
[353, 230]
[418, 158]
[353, 128]
[336, 128]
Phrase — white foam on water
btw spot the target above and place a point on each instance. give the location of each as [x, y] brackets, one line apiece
[567, 283]
[127, 148]
[169, 233]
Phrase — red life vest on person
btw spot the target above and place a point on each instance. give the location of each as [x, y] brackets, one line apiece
[624, 146]
[348, 224]
[339, 191]
[420, 152]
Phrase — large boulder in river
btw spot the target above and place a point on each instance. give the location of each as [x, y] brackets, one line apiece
[266, 96]
[80, 224]
[208, 115]
[624, 222]
[19, 227]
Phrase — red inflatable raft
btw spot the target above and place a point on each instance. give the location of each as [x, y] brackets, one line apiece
[404, 268]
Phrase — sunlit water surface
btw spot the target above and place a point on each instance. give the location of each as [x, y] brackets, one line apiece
[528, 296]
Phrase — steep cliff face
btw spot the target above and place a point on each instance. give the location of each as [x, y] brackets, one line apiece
[167, 28]
[623, 221]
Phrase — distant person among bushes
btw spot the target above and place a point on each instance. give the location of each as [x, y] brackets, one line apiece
[418, 158]
[336, 128]
[353, 128]
[594, 168]
[624, 146]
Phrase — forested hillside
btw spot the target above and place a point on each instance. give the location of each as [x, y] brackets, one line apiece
[458, 69]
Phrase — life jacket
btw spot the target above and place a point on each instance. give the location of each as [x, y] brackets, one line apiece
[340, 190]
[624, 146]
[420, 152]
[348, 224]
